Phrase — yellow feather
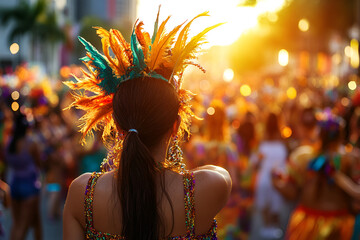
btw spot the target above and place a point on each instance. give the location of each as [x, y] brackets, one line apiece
[105, 41]
[161, 46]
[182, 38]
[143, 38]
[121, 49]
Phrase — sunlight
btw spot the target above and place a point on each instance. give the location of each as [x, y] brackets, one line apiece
[238, 19]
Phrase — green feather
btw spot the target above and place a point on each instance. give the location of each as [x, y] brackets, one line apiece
[107, 80]
[138, 54]
[155, 27]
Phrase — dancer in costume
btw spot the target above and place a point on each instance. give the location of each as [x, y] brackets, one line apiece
[323, 211]
[23, 158]
[136, 98]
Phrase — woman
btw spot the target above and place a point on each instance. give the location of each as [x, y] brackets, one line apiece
[272, 156]
[23, 159]
[143, 110]
[323, 211]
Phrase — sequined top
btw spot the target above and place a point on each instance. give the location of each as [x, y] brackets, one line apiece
[189, 187]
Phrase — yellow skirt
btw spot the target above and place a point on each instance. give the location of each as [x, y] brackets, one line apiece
[311, 224]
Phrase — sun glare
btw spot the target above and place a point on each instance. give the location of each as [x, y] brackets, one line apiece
[237, 19]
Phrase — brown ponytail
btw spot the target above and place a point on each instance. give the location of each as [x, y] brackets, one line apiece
[151, 107]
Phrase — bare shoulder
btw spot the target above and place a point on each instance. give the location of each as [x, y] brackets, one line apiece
[74, 204]
[213, 187]
[211, 175]
[78, 186]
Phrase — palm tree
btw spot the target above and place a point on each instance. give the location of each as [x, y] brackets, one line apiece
[33, 20]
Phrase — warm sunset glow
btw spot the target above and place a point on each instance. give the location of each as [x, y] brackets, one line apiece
[238, 19]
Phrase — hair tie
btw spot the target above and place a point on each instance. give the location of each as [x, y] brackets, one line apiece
[133, 130]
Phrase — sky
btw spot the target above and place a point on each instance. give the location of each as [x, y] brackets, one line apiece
[237, 19]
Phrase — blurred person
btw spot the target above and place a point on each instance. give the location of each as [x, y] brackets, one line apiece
[214, 146]
[352, 185]
[246, 133]
[141, 107]
[308, 145]
[246, 142]
[323, 210]
[219, 150]
[218, 146]
[272, 156]
[23, 159]
[54, 178]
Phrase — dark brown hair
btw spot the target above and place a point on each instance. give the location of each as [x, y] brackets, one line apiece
[151, 107]
[272, 127]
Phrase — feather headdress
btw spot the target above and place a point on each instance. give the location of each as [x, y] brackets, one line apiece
[165, 56]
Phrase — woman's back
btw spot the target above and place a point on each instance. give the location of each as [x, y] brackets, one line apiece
[320, 192]
[138, 101]
[212, 188]
[21, 161]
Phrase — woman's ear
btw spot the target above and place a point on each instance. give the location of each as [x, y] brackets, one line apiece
[176, 126]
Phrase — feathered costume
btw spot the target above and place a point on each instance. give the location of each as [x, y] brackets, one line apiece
[165, 56]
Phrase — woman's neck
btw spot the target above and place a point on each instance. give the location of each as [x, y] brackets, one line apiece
[159, 152]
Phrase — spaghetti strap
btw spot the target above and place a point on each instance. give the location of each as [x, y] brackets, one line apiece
[189, 200]
[89, 199]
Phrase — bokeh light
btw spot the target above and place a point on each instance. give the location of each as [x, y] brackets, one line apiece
[15, 95]
[210, 111]
[304, 25]
[283, 57]
[65, 72]
[286, 132]
[228, 75]
[291, 93]
[14, 48]
[15, 106]
[245, 90]
[345, 101]
[347, 51]
[354, 59]
[352, 85]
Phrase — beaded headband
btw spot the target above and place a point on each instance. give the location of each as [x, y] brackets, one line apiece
[164, 56]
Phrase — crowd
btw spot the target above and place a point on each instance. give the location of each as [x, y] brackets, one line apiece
[288, 158]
